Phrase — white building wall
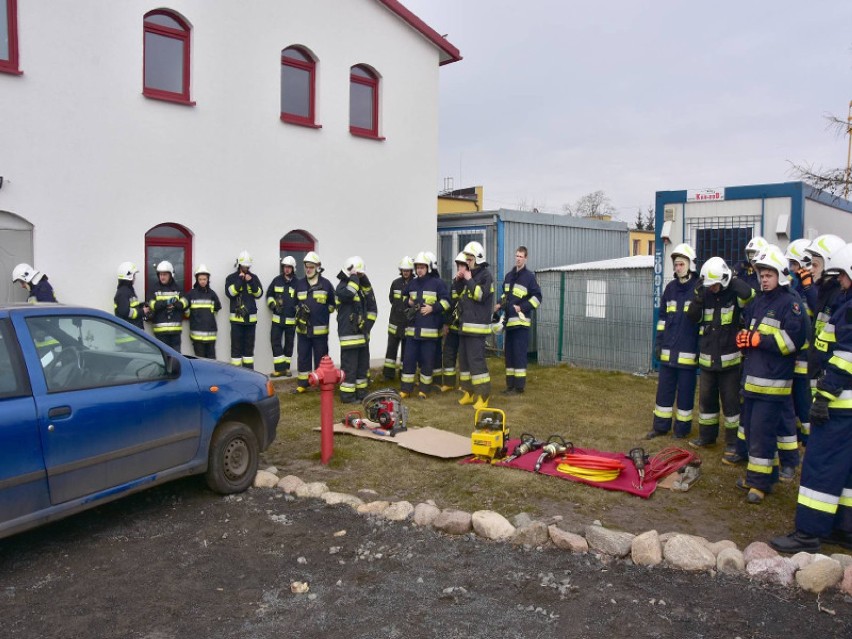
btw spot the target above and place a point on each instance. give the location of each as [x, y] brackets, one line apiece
[93, 164]
[821, 219]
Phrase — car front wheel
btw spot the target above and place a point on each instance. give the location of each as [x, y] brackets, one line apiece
[233, 459]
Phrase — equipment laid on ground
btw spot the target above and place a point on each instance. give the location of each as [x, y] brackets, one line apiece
[490, 434]
[687, 475]
[593, 468]
[383, 407]
[639, 459]
[556, 445]
[671, 459]
[527, 444]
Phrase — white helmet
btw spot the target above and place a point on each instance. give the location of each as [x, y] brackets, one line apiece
[685, 250]
[244, 259]
[423, 258]
[126, 271]
[354, 264]
[166, 267]
[716, 271]
[313, 258]
[433, 260]
[825, 246]
[406, 264]
[475, 249]
[23, 272]
[796, 252]
[755, 245]
[772, 257]
[202, 270]
[461, 259]
[841, 260]
[290, 261]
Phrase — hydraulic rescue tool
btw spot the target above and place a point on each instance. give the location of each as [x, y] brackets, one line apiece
[556, 445]
[383, 407]
[687, 475]
[527, 444]
[490, 434]
[639, 459]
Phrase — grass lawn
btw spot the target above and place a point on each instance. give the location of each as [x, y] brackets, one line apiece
[592, 409]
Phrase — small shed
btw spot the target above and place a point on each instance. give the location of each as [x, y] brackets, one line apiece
[598, 314]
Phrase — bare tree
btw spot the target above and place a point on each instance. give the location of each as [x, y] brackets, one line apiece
[595, 204]
[531, 206]
[833, 180]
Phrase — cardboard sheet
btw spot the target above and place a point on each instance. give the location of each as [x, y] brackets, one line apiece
[429, 441]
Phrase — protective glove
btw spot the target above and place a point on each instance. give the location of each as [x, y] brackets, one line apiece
[819, 411]
[698, 293]
[748, 339]
[805, 277]
[364, 279]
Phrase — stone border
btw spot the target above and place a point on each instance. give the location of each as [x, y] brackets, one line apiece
[811, 572]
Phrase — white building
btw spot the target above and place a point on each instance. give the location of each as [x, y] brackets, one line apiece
[137, 131]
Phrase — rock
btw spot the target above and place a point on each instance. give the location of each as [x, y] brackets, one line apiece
[289, 484]
[491, 525]
[299, 587]
[719, 546]
[399, 511]
[730, 561]
[802, 559]
[646, 549]
[819, 575]
[265, 479]
[779, 570]
[534, 534]
[688, 553]
[843, 559]
[453, 522]
[424, 514]
[272, 469]
[312, 489]
[522, 519]
[368, 492]
[610, 542]
[567, 540]
[332, 498]
[664, 538]
[373, 507]
[846, 584]
[758, 550]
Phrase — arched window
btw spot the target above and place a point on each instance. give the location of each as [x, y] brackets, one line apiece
[298, 79]
[9, 37]
[297, 243]
[363, 101]
[166, 60]
[171, 242]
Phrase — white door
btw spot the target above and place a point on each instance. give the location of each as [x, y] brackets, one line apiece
[16, 246]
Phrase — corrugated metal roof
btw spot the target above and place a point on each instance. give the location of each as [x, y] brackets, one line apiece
[635, 261]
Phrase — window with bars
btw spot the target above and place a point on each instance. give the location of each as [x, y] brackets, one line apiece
[723, 237]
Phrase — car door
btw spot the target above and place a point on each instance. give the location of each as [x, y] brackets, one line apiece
[23, 480]
[109, 411]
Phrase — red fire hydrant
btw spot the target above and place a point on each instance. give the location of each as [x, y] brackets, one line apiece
[326, 376]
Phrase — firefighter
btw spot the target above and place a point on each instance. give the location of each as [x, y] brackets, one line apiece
[34, 283]
[203, 305]
[167, 304]
[823, 296]
[243, 289]
[717, 304]
[371, 307]
[745, 269]
[315, 304]
[450, 351]
[125, 303]
[426, 301]
[281, 300]
[521, 296]
[777, 327]
[799, 262]
[352, 328]
[676, 348]
[475, 309]
[824, 508]
[397, 321]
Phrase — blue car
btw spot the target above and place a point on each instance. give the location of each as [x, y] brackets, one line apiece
[92, 409]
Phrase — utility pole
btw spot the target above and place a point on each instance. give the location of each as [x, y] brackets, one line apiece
[849, 154]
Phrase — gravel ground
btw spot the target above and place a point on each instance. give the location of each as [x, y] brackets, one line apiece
[181, 562]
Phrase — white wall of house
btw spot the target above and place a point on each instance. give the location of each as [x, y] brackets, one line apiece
[92, 164]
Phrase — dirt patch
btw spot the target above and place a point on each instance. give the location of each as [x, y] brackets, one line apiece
[180, 562]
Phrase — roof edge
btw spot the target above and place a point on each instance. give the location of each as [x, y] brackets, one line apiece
[449, 52]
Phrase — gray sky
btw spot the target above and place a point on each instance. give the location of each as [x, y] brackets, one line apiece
[555, 99]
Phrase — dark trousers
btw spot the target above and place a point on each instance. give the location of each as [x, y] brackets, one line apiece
[418, 352]
[204, 348]
[802, 400]
[355, 364]
[764, 423]
[714, 386]
[826, 472]
[473, 369]
[311, 351]
[282, 354]
[515, 346]
[242, 344]
[675, 381]
[170, 339]
[396, 344]
[449, 355]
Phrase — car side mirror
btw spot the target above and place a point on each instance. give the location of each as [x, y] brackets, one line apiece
[172, 366]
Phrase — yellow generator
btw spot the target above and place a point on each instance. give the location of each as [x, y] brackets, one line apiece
[490, 434]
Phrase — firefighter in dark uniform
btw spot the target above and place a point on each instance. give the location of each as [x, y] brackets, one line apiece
[777, 327]
[397, 320]
[281, 300]
[450, 351]
[824, 295]
[476, 307]
[125, 303]
[427, 301]
[371, 307]
[243, 289]
[824, 508]
[34, 282]
[352, 328]
[799, 262]
[745, 269]
[677, 349]
[521, 296]
[716, 308]
[167, 305]
[315, 304]
[203, 306]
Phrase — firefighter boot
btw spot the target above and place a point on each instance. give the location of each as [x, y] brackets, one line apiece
[466, 399]
[481, 402]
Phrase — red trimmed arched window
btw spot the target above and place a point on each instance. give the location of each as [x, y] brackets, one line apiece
[363, 101]
[173, 243]
[298, 86]
[297, 243]
[9, 37]
[167, 57]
